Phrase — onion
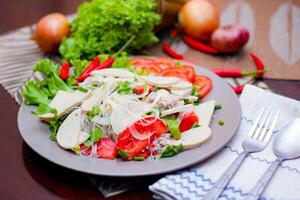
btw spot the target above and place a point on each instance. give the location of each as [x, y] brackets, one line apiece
[50, 31]
[199, 18]
[104, 121]
[230, 39]
[137, 135]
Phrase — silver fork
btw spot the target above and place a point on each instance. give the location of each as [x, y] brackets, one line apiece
[257, 140]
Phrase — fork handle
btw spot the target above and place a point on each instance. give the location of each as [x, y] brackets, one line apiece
[258, 189]
[218, 187]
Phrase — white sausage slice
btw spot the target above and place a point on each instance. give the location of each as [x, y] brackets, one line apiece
[193, 137]
[69, 131]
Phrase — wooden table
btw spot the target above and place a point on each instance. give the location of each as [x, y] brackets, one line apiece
[24, 174]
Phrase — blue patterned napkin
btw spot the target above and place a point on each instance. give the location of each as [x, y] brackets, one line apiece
[193, 183]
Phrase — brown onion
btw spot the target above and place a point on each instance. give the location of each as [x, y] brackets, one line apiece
[199, 18]
[50, 30]
[230, 39]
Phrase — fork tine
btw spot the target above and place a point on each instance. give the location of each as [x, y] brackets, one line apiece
[261, 124]
[271, 129]
[256, 122]
[266, 125]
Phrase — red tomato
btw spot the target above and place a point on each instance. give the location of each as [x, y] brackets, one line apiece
[148, 67]
[140, 60]
[123, 138]
[165, 63]
[133, 146]
[174, 72]
[85, 150]
[144, 154]
[106, 148]
[140, 89]
[189, 71]
[188, 121]
[204, 85]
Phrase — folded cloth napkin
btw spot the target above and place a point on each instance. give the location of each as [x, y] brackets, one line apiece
[194, 182]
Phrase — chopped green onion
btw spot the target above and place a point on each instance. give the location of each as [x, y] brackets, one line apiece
[218, 106]
[137, 158]
[123, 154]
[221, 122]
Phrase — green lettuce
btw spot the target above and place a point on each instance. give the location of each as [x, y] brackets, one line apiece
[104, 26]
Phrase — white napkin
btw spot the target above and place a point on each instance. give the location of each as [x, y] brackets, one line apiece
[193, 183]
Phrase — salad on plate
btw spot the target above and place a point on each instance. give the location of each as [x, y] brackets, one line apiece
[119, 107]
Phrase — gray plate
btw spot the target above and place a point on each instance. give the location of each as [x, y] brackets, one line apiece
[36, 135]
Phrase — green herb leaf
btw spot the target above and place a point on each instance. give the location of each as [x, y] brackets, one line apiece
[34, 94]
[95, 135]
[43, 109]
[94, 112]
[170, 151]
[173, 126]
[123, 87]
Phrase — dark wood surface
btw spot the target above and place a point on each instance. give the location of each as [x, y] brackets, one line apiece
[24, 174]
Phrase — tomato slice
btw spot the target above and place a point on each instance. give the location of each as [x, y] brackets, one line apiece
[106, 148]
[189, 71]
[188, 121]
[204, 85]
[85, 150]
[123, 138]
[133, 146]
[148, 67]
[144, 154]
[165, 63]
[174, 72]
[140, 60]
[140, 89]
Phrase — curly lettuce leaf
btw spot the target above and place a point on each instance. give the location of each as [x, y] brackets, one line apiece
[104, 26]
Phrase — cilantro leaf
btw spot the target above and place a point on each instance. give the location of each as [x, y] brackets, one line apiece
[94, 112]
[123, 87]
[95, 135]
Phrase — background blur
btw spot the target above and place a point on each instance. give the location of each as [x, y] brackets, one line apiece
[23, 13]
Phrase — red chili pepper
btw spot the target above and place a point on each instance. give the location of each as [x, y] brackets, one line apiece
[64, 71]
[89, 68]
[238, 89]
[233, 72]
[108, 63]
[195, 44]
[171, 52]
[259, 64]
